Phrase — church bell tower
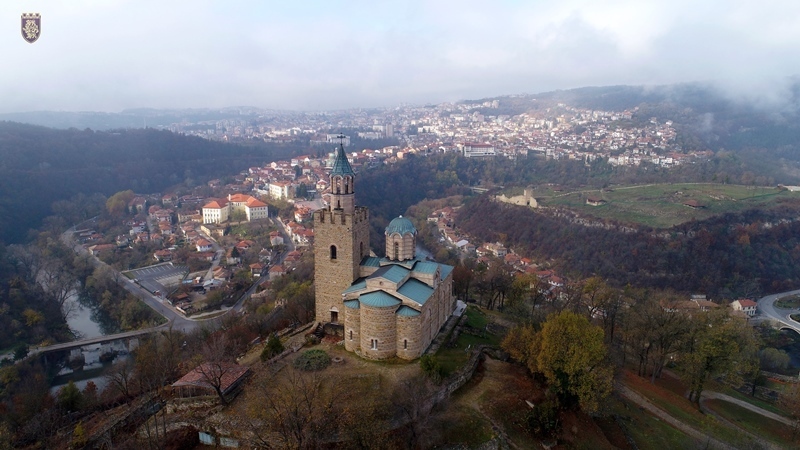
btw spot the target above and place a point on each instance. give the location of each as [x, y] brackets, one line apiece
[341, 241]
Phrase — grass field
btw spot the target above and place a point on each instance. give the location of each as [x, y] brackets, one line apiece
[453, 358]
[788, 302]
[663, 205]
[757, 424]
[668, 394]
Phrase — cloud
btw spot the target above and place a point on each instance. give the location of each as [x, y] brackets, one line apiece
[115, 54]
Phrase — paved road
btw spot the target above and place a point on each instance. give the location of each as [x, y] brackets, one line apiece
[766, 306]
[178, 321]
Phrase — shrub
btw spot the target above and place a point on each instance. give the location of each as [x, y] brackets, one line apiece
[273, 348]
[431, 367]
[312, 360]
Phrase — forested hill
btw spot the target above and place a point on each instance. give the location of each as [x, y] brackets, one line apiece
[39, 166]
[730, 256]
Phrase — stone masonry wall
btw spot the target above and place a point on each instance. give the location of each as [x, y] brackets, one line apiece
[352, 324]
[350, 234]
[408, 329]
[380, 324]
[406, 246]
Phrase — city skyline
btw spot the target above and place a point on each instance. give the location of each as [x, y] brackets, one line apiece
[113, 55]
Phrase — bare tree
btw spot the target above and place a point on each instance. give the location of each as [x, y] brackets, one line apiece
[412, 398]
[120, 378]
[218, 364]
[290, 410]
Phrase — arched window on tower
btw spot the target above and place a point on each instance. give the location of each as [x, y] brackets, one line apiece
[333, 252]
[397, 251]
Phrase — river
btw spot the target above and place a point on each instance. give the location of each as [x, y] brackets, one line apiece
[85, 322]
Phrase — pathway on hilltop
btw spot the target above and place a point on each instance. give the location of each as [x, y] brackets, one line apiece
[718, 396]
[640, 400]
[711, 395]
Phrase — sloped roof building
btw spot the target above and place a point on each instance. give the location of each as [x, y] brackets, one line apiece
[389, 307]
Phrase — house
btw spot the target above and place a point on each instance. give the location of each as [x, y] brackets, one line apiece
[216, 211]
[137, 204]
[203, 245]
[123, 241]
[275, 238]
[595, 201]
[219, 210]
[276, 272]
[244, 245]
[231, 258]
[256, 269]
[745, 305]
[99, 248]
[163, 255]
[694, 204]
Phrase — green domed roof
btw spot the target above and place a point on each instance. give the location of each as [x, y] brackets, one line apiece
[400, 225]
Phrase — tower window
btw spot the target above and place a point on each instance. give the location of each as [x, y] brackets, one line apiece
[333, 252]
[374, 344]
[405, 344]
[396, 251]
[351, 335]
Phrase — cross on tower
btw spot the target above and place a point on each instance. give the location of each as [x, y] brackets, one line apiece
[341, 138]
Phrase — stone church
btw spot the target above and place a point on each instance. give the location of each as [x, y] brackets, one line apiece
[390, 306]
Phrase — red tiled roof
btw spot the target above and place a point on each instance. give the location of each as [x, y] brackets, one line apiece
[231, 373]
[255, 203]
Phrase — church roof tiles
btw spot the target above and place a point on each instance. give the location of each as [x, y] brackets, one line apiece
[379, 299]
[341, 166]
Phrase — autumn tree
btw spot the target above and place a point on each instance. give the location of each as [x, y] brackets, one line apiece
[570, 352]
[717, 345]
[527, 293]
[117, 204]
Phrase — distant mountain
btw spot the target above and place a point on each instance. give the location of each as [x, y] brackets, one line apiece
[129, 118]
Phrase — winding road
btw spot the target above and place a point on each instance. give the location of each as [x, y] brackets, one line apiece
[766, 306]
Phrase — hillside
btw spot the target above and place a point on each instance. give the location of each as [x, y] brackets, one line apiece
[736, 254]
[663, 205]
[39, 166]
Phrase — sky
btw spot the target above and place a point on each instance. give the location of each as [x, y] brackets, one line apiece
[110, 55]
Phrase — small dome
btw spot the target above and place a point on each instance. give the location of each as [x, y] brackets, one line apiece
[400, 225]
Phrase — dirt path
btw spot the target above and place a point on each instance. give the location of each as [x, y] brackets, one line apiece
[764, 443]
[708, 395]
[663, 415]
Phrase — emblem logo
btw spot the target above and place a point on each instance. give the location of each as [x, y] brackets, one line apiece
[31, 26]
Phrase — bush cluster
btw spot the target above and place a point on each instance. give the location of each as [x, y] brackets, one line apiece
[312, 360]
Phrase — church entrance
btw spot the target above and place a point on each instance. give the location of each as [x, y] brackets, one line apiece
[334, 317]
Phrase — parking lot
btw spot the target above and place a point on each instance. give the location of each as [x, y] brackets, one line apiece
[161, 278]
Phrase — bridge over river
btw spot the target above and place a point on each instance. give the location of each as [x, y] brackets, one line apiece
[766, 306]
[96, 340]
